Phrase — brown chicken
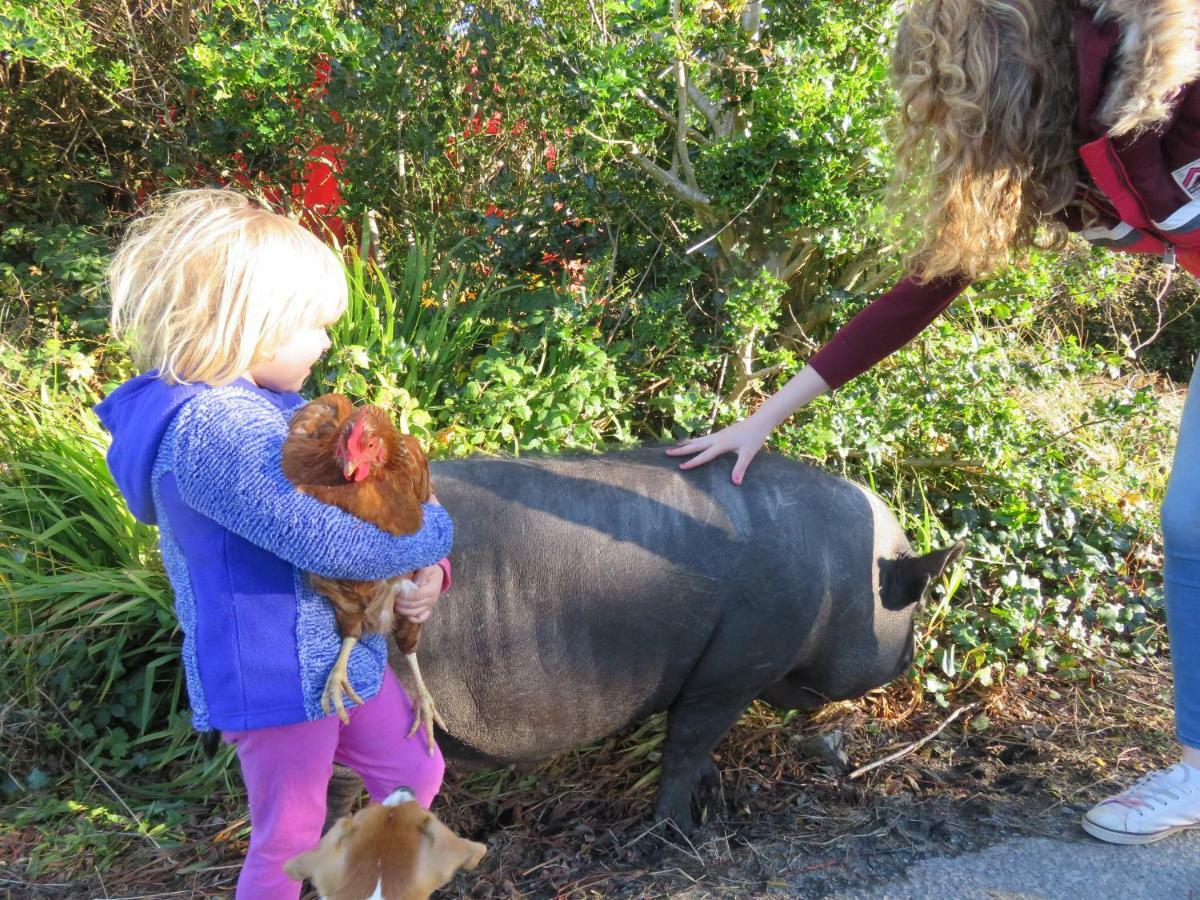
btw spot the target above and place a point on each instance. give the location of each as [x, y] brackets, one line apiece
[356, 459]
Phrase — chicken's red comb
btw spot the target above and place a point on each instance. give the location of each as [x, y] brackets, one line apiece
[354, 445]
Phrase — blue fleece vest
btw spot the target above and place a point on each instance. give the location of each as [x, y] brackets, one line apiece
[237, 539]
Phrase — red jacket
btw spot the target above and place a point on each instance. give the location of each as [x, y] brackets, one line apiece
[1139, 168]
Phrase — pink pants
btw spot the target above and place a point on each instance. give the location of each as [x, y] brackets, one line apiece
[287, 771]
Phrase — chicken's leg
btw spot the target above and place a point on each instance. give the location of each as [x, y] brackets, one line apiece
[425, 713]
[337, 685]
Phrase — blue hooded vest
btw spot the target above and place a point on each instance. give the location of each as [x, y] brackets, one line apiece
[237, 538]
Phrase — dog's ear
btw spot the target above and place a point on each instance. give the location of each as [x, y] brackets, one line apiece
[300, 867]
[472, 854]
[345, 827]
[426, 823]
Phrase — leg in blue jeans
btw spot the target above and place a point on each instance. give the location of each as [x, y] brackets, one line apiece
[1163, 802]
[1181, 569]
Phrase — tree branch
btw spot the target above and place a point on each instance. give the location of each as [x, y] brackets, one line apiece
[707, 108]
[666, 115]
[738, 215]
[694, 196]
[681, 100]
[915, 745]
[746, 379]
[752, 18]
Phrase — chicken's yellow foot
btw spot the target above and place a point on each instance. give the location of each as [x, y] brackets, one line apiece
[337, 685]
[425, 713]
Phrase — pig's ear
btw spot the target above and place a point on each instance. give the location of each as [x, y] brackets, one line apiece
[904, 580]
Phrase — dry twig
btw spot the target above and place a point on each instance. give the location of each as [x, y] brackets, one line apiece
[915, 745]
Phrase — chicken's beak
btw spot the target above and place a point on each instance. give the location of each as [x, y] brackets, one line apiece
[348, 469]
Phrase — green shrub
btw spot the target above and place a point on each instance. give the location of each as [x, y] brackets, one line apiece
[87, 621]
[405, 347]
[546, 384]
[1039, 456]
[468, 365]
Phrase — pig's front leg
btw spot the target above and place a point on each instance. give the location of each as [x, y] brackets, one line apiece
[694, 725]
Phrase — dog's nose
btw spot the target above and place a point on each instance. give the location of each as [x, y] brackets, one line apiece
[400, 795]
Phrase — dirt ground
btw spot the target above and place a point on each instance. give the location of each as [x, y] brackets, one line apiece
[789, 820]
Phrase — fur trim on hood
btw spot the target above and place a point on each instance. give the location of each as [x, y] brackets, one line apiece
[1159, 53]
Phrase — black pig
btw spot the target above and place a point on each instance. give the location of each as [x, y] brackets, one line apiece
[591, 592]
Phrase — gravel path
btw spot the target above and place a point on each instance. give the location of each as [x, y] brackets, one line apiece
[1052, 869]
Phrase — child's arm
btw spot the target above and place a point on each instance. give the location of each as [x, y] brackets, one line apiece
[228, 446]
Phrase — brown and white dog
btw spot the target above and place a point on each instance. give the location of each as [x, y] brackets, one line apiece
[393, 850]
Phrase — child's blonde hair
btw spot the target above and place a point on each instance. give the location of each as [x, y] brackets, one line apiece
[209, 283]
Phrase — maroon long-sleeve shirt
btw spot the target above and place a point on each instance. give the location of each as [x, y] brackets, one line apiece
[886, 325]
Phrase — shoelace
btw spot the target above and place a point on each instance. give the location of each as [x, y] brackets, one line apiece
[1147, 790]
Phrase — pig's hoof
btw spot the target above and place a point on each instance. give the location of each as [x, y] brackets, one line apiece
[687, 825]
[676, 818]
[707, 798]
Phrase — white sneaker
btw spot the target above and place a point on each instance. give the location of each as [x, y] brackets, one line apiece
[1155, 806]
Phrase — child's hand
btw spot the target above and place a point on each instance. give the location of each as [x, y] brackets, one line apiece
[416, 604]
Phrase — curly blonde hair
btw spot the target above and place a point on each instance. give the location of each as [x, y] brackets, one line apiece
[209, 283]
[985, 154]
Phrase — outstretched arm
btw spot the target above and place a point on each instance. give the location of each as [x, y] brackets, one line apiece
[886, 325]
[746, 436]
[228, 446]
